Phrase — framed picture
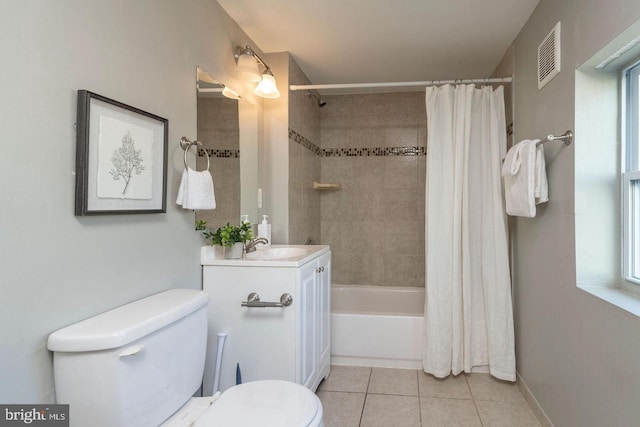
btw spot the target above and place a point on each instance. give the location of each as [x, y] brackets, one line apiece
[121, 158]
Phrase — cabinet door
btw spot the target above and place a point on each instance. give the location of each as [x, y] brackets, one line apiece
[307, 347]
[324, 311]
[260, 340]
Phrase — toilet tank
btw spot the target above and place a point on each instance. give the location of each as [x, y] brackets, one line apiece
[134, 365]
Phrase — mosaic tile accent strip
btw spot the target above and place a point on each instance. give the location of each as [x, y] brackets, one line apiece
[364, 151]
[306, 143]
[377, 152]
[220, 153]
[356, 152]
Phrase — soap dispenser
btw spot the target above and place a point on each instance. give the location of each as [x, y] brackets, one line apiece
[264, 230]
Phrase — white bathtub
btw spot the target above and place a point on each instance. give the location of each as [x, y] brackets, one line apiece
[377, 326]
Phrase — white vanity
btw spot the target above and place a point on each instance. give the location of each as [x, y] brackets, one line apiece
[270, 334]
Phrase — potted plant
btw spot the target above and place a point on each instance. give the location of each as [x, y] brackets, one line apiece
[231, 237]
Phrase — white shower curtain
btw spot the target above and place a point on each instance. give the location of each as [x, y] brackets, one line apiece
[468, 308]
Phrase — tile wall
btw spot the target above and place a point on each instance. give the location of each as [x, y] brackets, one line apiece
[304, 162]
[218, 130]
[373, 145]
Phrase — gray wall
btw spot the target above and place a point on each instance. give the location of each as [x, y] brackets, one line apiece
[577, 353]
[55, 268]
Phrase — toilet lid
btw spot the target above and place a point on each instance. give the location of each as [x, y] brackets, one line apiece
[267, 403]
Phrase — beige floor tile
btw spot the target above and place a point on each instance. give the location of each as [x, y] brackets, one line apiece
[341, 409]
[347, 378]
[485, 387]
[506, 414]
[391, 411]
[452, 387]
[403, 382]
[437, 412]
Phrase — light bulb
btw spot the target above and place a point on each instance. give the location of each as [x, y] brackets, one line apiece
[267, 87]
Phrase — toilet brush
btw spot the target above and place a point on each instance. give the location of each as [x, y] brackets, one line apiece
[216, 377]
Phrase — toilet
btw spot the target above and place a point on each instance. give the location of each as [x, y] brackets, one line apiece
[140, 365]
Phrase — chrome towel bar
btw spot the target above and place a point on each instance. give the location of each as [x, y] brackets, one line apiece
[567, 137]
[253, 300]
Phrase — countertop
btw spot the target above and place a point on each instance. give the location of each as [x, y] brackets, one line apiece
[212, 256]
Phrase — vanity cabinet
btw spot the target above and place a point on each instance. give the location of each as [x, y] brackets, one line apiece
[290, 342]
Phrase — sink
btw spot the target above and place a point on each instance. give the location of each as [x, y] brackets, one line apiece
[276, 253]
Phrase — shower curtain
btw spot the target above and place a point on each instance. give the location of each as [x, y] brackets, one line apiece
[468, 307]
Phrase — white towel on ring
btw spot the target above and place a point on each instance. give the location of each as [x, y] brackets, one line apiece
[196, 190]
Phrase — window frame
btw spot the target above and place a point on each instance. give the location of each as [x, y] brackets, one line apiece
[630, 179]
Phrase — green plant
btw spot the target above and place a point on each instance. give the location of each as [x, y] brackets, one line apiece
[226, 235]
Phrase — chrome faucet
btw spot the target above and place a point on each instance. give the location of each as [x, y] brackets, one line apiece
[250, 246]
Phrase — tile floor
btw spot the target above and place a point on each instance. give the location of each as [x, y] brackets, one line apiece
[369, 397]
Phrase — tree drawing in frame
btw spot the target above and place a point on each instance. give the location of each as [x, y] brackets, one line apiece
[121, 158]
[126, 160]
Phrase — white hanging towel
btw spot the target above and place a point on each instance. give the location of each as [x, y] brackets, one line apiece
[541, 191]
[525, 178]
[196, 190]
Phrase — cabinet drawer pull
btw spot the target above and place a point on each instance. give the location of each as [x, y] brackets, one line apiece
[253, 300]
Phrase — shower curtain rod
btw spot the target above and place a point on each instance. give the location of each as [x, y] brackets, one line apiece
[400, 84]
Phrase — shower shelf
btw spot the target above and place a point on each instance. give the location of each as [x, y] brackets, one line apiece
[322, 186]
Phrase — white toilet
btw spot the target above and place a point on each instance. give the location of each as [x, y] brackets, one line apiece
[140, 364]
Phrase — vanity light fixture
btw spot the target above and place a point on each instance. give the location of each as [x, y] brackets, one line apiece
[230, 93]
[247, 69]
[247, 65]
[224, 90]
[267, 86]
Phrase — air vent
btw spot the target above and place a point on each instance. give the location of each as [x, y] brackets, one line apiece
[549, 57]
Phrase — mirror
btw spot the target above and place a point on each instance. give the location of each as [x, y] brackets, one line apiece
[228, 130]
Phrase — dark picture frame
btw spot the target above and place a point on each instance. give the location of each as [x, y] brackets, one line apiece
[121, 158]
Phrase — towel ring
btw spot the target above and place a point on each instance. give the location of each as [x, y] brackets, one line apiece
[186, 144]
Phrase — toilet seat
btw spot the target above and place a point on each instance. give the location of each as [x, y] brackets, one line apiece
[266, 403]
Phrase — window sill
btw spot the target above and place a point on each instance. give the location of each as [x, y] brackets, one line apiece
[618, 297]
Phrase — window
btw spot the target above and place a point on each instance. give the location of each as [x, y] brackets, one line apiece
[631, 175]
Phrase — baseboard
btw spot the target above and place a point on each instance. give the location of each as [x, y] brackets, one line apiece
[533, 403]
[373, 362]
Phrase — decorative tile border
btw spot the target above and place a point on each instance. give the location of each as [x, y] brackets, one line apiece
[306, 143]
[356, 152]
[365, 151]
[220, 153]
[384, 151]
[338, 152]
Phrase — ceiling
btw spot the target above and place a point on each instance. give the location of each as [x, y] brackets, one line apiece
[365, 41]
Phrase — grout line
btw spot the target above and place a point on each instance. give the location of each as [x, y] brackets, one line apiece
[366, 394]
[473, 399]
[396, 394]
[419, 396]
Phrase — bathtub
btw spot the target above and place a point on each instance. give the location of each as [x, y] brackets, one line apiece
[377, 326]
